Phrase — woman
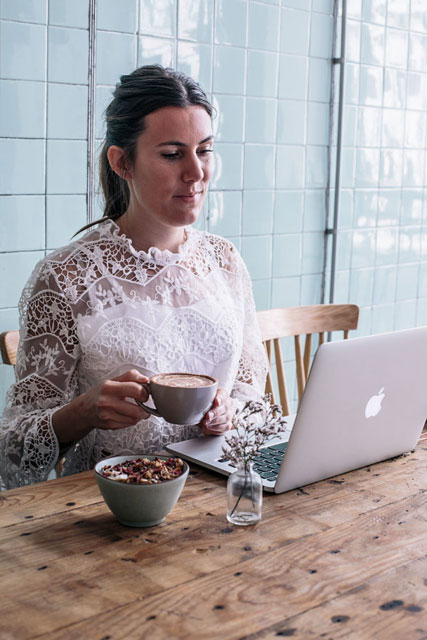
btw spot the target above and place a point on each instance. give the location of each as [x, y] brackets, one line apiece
[141, 293]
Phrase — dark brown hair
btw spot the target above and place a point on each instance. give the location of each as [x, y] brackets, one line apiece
[138, 94]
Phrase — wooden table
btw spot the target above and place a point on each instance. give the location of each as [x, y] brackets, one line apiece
[343, 558]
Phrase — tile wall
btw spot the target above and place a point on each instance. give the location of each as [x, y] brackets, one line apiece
[266, 66]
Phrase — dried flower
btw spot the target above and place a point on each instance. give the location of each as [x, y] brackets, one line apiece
[253, 426]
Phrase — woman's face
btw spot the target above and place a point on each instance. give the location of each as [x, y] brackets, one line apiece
[173, 166]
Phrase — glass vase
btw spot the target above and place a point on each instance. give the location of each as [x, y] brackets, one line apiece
[244, 495]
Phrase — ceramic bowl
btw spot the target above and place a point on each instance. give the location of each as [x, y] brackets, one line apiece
[139, 505]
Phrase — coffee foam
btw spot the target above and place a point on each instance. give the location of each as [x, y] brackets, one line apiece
[183, 380]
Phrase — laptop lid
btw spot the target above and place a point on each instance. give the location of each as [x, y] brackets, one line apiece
[364, 401]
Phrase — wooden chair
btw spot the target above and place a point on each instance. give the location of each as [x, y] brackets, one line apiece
[8, 346]
[298, 321]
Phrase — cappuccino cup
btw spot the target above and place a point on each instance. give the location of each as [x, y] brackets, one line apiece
[180, 398]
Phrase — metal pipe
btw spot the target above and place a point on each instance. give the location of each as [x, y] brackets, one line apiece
[91, 113]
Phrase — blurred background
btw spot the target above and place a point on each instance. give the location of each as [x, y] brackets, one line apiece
[274, 71]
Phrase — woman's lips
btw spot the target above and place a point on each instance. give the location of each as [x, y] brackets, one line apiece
[188, 197]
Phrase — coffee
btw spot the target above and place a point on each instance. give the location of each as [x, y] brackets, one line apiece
[183, 380]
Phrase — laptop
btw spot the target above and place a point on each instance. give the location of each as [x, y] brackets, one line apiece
[365, 400]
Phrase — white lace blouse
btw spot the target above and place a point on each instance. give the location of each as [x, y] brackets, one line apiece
[97, 308]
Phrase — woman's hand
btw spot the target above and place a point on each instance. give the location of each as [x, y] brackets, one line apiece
[218, 419]
[105, 406]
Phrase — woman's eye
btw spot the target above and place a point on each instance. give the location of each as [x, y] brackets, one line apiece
[171, 156]
[203, 152]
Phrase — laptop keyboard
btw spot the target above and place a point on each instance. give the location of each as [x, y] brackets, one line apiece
[268, 462]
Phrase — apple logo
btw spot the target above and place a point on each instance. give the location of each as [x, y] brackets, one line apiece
[373, 406]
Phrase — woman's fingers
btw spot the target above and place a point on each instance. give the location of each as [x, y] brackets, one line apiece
[218, 419]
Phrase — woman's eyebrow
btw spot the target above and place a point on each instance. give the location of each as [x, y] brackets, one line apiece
[176, 143]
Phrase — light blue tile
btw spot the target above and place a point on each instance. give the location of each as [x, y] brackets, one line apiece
[413, 167]
[256, 252]
[421, 317]
[393, 127]
[24, 170]
[23, 10]
[353, 40]
[344, 249]
[225, 213]
[263, 28]
[158, 17]
[371, 85]
[68, 55]
[407, 282]
[290, 165]
[294, 31]
[64, 216]
[355, 9]
[195, 20]
[262, 296]
[319, 80]
[391, 167]
[195, 60]
[349, 129]
[416, 91]
[312, 252]
[372, 45]
[411, 211]
[288, 211]
[66, 166]
[22, 51]
[260, 120]
[342, 287]
[415, 129]
[296, 4]
[383, 318]
[385, 279]
[291, 122]
[229, 70]
[361, 286]
[398, 12]
[22, 109]
[422, 289]
[287, 255]
[15, 269]
[115, 55]
[261, 75]
[348, 167]
[67, 111]
[117, 16]
[156, 51]
[365, 207]
[9, 319]
[369, 127]
[396, 53]
[229, 120]
[259, 166]
[417, 59]
[228, 166]
[394, 88]
[230, 22]
[25, 223]
[405, 314]
[388, 207]
[318, 123]
[70, 14]
[367, 167]
[387, 245]
[321, 32]
[346, 208]
[316, 167]
[293, 75]
[409, 244]
[314, 210]
[363, 250]
[103, 97]
[257, 212]
[310, 289]
[7, 378]
[285, 293]
[374, 11]
[351, 89]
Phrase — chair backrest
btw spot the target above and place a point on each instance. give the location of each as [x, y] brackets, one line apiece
[298, 321]
[8, 346]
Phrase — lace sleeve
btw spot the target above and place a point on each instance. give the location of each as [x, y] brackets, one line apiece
[45, 380]
[252, 372]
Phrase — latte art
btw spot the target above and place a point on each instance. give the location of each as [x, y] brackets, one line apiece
[183, 380]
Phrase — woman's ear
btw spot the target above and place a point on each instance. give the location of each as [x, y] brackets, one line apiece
[117, 159]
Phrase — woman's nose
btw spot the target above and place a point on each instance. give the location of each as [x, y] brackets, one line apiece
[193, 170]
